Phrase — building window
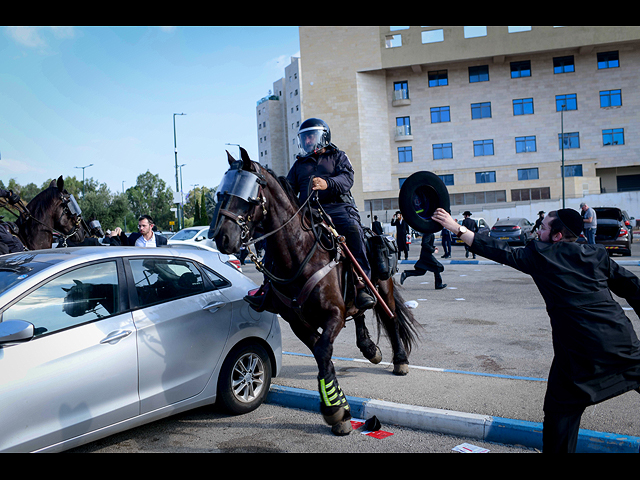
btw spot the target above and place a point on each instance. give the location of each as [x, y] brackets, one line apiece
[393, 41]
[526, 194]
[571, 140]
[610, 98]
[480, 110]
[482, 148]
[563, 64]
[613, 136]
[403, 126]
[447, 179]
[608, 60]
[486, 177]
[400, 90]
[527, 174]
[479, 74]
[439, 78]
[523, 106]
[433, 36]
[573, 170]
[471, 198]
[521, 69]
[526, 144]
[442, 150]
[440, 114]
[405, 155]
[569, 101]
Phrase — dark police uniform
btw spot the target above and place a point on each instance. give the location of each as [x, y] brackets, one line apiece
[335, 168]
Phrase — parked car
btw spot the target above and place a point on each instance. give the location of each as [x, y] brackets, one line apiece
[513, 230]
[97, 340]
[483, 229]
[614, 230]
[198, 237]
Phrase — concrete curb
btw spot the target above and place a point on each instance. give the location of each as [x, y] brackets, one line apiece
[483, 427]
[491, 262]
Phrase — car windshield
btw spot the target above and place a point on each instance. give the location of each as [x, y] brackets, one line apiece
[187, 234]
[13, 272]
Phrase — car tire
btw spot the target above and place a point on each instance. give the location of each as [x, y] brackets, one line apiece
[244, 379]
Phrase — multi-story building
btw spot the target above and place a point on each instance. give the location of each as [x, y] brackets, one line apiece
[494, 111]
[279, 115]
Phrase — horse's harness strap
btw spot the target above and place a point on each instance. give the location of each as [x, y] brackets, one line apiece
[298, 301]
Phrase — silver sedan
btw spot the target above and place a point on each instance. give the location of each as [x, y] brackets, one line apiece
[97, 340]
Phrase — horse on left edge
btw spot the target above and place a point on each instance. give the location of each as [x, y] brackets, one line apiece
[54, 210]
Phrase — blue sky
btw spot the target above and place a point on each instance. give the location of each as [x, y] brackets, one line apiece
[74, 96]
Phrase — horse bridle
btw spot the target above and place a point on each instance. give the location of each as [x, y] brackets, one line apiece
[66, 201]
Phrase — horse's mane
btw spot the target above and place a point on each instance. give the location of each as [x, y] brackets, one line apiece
[43, 201]
[286, 186]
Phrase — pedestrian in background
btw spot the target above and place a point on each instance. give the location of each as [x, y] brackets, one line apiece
[426, 263]
[590, 220]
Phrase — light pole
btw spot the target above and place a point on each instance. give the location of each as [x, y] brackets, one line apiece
[125, 213]
[563, 106]
[181, 196]
[87, 166]
[175, 149]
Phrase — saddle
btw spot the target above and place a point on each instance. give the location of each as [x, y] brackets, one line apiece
[382, 253]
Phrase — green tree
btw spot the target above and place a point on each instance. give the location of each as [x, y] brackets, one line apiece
[152, 196]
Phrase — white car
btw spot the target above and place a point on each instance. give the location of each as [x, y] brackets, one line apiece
[198, 237]
[96, 340]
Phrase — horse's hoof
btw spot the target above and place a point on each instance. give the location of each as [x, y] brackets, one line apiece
[335, 418]
[377, 358]
[401, 369]
[341, 429]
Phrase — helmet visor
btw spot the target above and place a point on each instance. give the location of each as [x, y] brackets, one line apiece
[310, 140]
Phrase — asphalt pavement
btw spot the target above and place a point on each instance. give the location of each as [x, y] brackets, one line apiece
[493, 398]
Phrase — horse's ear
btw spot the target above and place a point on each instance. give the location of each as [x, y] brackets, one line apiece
[246, 161]
[60, 183]
[230, 158]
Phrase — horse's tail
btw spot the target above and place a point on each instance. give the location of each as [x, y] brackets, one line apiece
[404, 323]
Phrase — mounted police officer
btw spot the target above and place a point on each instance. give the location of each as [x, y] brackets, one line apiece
[322, 167]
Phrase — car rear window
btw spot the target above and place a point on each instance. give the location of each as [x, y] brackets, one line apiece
[11, 273]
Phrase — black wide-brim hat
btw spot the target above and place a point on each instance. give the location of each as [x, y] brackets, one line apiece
[419, 197]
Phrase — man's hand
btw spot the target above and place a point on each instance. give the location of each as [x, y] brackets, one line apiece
[319, 184]
[443, 218]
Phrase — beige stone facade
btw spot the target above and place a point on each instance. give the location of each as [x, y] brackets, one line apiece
[351, 75]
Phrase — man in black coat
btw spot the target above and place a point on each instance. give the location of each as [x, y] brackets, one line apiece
[471, 224]
[376, 226]
[426, 263]
[596, 349]
[402, 230]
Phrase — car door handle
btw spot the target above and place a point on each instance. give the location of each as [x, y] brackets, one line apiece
[116, 336]
[213, 305]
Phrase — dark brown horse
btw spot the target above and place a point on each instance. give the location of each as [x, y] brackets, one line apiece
[53, 210]
[256, 196]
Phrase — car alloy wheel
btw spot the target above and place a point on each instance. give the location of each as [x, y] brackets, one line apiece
[247, 379]
[244, 379]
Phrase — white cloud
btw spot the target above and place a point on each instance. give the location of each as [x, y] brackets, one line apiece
[27, 36]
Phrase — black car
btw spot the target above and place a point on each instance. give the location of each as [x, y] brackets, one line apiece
[513, 230]
[614, 230]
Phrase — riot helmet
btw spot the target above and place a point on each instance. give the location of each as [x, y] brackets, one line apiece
[313, 135]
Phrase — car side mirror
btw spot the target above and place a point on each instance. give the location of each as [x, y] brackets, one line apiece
[199, 238]
[15, 331]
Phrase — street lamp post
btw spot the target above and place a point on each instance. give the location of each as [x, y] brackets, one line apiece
[87, 166]
[181, 196]
[175, 149]
[562, 146]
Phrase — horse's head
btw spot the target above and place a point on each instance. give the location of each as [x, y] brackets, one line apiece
[53, 210]
[66, 212]
[240, 204]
